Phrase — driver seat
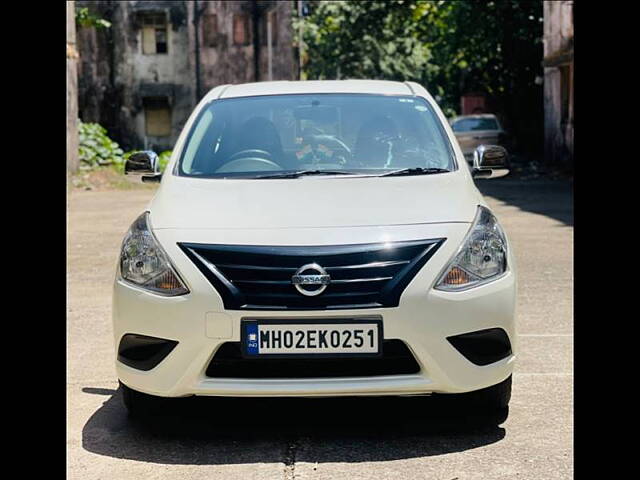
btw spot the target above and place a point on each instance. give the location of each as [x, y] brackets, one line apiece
[371, 148]
[259, 133]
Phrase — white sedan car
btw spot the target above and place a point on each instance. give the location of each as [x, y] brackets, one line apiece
[316, 238]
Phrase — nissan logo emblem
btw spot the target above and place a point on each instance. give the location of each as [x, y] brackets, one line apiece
[311, 275]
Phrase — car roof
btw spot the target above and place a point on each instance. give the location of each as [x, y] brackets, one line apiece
[381, 87]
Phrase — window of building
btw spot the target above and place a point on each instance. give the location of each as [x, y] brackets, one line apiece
[264, 29]
[154, 33]
[210, 30]
[157, 116]
[241, 29]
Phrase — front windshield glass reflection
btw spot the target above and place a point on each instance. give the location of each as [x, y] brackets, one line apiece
[352, 133]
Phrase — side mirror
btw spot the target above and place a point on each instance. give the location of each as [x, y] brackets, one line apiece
[143, 163]
[490, 161]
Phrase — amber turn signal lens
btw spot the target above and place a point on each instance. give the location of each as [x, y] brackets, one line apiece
[167, 281]
[456, 276]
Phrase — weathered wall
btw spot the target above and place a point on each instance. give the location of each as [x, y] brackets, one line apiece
[558, 26]
[558, 57]
[225, 62]
[98, 101]
[552, 131]
[115, 75]
[229, 63]
[167, 75]
[72, 90]
[284, 63]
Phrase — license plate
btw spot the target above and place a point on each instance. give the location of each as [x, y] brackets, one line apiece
[311, 338]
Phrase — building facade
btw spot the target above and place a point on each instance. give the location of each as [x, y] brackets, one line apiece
[72, 90]
[558, 82]
[142, 77]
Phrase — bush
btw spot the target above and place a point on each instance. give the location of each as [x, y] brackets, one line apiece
[118, 163]
[95, 147]
[163, 159]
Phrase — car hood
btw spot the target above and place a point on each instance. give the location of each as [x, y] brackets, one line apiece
[313, 202]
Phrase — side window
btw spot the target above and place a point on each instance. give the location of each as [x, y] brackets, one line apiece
[241, 29]
[154, 33]
[210, 30]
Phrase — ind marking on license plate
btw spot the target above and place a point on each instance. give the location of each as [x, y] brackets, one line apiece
[342, 338]
[252, 339]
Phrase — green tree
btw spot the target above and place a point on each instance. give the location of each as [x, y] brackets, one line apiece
[451, 47]
[84, 18]
[364, 40]
[497, 49]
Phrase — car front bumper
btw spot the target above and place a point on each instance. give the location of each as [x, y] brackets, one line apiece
[423, 320]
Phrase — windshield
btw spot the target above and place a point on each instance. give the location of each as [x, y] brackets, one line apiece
[472, 124]
[249, 137]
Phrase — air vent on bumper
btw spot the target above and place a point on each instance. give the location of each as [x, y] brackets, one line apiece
[396, 359]
[143, 352]
[483, 347]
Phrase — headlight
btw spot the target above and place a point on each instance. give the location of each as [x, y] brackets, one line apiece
[481, 258]
[145, 264]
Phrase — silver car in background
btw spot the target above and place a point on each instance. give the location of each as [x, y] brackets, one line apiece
[472, 131]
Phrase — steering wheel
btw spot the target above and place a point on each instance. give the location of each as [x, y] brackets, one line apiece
[249, 164]
[251, 153]
[335, 144]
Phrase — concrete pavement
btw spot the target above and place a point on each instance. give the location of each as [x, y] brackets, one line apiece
[329, 439]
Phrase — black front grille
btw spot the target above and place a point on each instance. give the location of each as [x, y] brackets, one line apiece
[362, 275]
[396, 359]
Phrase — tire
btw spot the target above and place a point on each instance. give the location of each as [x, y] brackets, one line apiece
[489, 405]
[139, 404]
[496, 397]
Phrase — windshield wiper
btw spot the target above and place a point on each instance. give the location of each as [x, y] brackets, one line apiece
[301, 173]
[414, 171]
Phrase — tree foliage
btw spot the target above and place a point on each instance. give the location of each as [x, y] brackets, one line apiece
[84, 18]
[363, 40]
[450, 47]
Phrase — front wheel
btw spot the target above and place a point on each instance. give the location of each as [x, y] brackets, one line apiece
[491, 403]
[495, 397]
